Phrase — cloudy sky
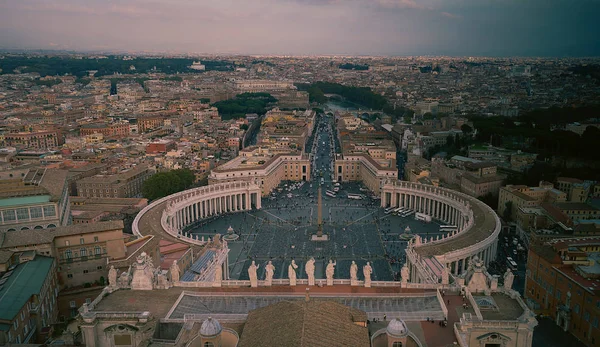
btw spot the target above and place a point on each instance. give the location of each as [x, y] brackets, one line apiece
[366, 27]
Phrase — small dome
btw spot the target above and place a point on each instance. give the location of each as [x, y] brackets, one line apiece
[397, 328]
[210, 327]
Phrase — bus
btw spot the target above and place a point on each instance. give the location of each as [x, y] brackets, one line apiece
[407, 213]
[330, 193]
[423, 217]
[448, 227]
[389, 210]
[398, 211]
[355, 196]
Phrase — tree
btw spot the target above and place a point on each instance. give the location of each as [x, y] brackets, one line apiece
[244, 126]
[166, 183]
[466, 129]
[428, 115]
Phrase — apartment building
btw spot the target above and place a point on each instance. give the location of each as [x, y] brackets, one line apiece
[38, 200]
[563, 282]
[28, 293]
[523, 196]
[41, 139]
[81, 250]
[127, 184]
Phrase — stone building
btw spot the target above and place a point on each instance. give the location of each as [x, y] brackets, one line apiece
[38, 200]
[127, 184]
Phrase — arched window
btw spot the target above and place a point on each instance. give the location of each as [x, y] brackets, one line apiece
[397, 344]
[208, 344]
[39, 227]
[51, 226]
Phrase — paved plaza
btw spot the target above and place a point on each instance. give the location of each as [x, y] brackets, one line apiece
[358, 230]
[411, 308]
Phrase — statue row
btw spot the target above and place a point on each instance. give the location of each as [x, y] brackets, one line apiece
[310, 273]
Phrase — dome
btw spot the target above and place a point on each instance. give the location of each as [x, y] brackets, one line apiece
[397, 328]
[210, 327]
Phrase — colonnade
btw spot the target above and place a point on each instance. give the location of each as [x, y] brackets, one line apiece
[433, 206]
[454, 250]
[204, 207]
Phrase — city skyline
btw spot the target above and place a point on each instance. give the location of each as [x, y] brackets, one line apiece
[306, 27]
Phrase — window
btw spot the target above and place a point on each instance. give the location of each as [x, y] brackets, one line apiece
[397, 344]
[22, 213]
[208, 344]
[81, 241]
[595, 322]
[95, 238]
[586, 316]
[16, 324]
[99, 267]
[72, 304]
[576, 308]
[88, 301]
[67, 243]
[35, 212]
[9, 215]
[69, 275]
[68, 254]
[49, 211]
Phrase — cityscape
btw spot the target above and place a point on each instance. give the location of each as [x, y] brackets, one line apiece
[429, 183]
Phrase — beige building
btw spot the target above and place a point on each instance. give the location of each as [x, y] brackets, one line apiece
[81, 250]
[267, 169]
[127, 184]
[37, 200]
[523, 196]
[362, 167]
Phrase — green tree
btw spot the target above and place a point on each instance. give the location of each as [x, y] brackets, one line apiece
[466, 129]
[166, 183]
[244, 126]
[407, 119]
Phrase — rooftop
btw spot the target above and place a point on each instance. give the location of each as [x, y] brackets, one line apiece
[312, 323]
[26, 280]
[498, 306]
[42, 236]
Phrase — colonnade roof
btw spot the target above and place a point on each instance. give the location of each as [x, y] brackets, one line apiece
[485, 222]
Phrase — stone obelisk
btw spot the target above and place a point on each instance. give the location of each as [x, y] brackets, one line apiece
[319, 236]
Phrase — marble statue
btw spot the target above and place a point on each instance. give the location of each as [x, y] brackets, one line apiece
[218, 276]
[310, 271]
[509, 277]
[404, 273]
[367, 271]
[252, 274]
[353, 274]
[329, 272]
[445, 275]
[112, 277]
[292, 272]
[270, 270]
[175, 271]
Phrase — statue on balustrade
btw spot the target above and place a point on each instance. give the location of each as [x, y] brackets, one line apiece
[175, 271]
[508, 279]
[112, 277]
[329, 272]
[405, 273]
[270, 271]
[353, 274]
[252, 274]
[292, 272]
[218, 276]
[367, 271]
[310, 271]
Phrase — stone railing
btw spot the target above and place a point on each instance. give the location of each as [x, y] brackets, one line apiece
[473, 303]
[442, 303]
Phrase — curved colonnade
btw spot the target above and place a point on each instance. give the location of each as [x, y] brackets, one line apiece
[173, 213]
[477, 225]
[476, 235]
